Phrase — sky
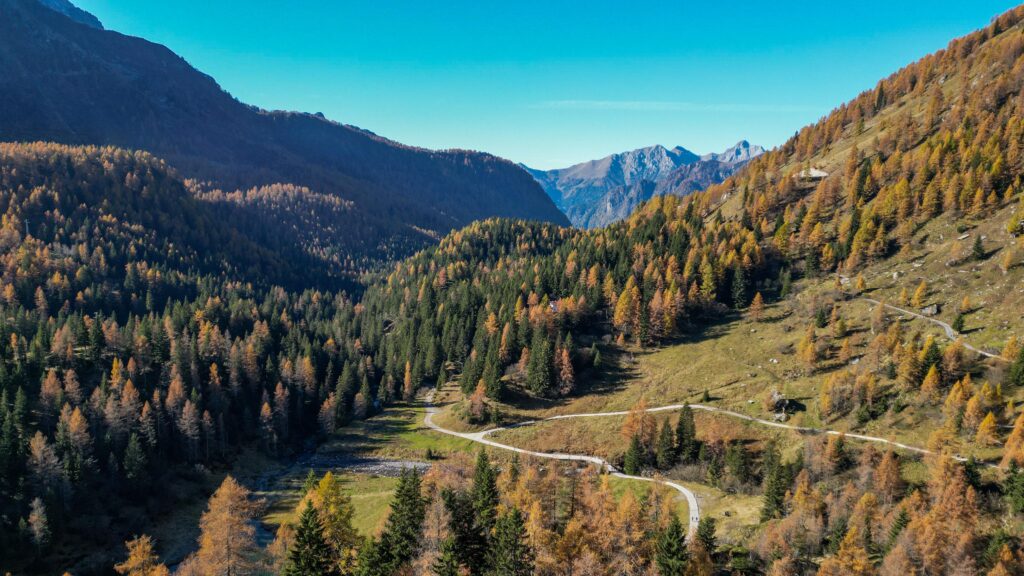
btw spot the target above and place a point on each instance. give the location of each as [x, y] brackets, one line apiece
[556, 82]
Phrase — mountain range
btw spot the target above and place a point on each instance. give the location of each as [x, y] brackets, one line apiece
[596, 193]
[67, 80]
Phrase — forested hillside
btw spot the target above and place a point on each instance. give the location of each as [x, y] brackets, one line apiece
[156, 326]
[78, 84]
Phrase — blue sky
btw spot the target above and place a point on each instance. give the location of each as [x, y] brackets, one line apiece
[556, 82]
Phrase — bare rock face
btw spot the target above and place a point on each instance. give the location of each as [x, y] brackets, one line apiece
[600, 192]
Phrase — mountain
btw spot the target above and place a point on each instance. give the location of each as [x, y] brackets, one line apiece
[75, 83]
[583, 183]
[599, 192]
[742, 152]
[74, 12]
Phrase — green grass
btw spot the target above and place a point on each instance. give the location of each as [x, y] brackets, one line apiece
[397, 433]
[371, 499]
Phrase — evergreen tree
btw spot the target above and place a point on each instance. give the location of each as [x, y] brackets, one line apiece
[470, 541]
[446, 563]
[958, 322]
[1013, 488]
[706, 533]
[671, 554]
[539, 370]
[686, 436]
[134, 464]
[665, 450]
[978, 249]
[634, 461]
[401, 537]
[739, 287]
[309, 554]
[485, 492]
[510, 554]
[776, 482]
[1016, 374]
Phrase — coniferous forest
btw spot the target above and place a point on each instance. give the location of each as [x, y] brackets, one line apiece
[156, 327]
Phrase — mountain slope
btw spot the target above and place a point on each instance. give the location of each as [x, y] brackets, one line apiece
[597, 193]
[583, 183]
[76, 84]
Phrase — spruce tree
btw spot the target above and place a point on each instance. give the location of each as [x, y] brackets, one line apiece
[401, 537]
[510, 554]
[634, 460]
[706, 533]
[470, 541]
[446, 563]
[485, 492]
[1016, 375]
[539, 371]
[739, 287]
[686, 436]
[775, 486]
[665, 450]
[1013, 488]
[671, 554]
[309, 554]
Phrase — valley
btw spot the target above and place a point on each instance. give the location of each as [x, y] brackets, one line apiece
[251, 342]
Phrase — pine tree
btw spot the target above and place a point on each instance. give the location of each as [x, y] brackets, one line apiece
[686, 436]
[671, 554]
[309, 554]
[510, 554]
[665, 450]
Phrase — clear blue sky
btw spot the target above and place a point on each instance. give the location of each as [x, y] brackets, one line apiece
[556, 82]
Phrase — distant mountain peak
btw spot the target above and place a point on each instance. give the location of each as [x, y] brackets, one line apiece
[68, 9]
[742, 151]
[601, 191]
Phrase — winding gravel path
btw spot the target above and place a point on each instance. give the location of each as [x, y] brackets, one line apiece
[950, 333]
[481, 437]
[691, 498]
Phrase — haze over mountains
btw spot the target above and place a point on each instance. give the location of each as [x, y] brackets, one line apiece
[67, 80]
[599, 192]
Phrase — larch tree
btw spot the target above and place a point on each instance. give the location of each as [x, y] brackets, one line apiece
[335, 510]
[227, 540]
[757, 308]
[142, 559]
